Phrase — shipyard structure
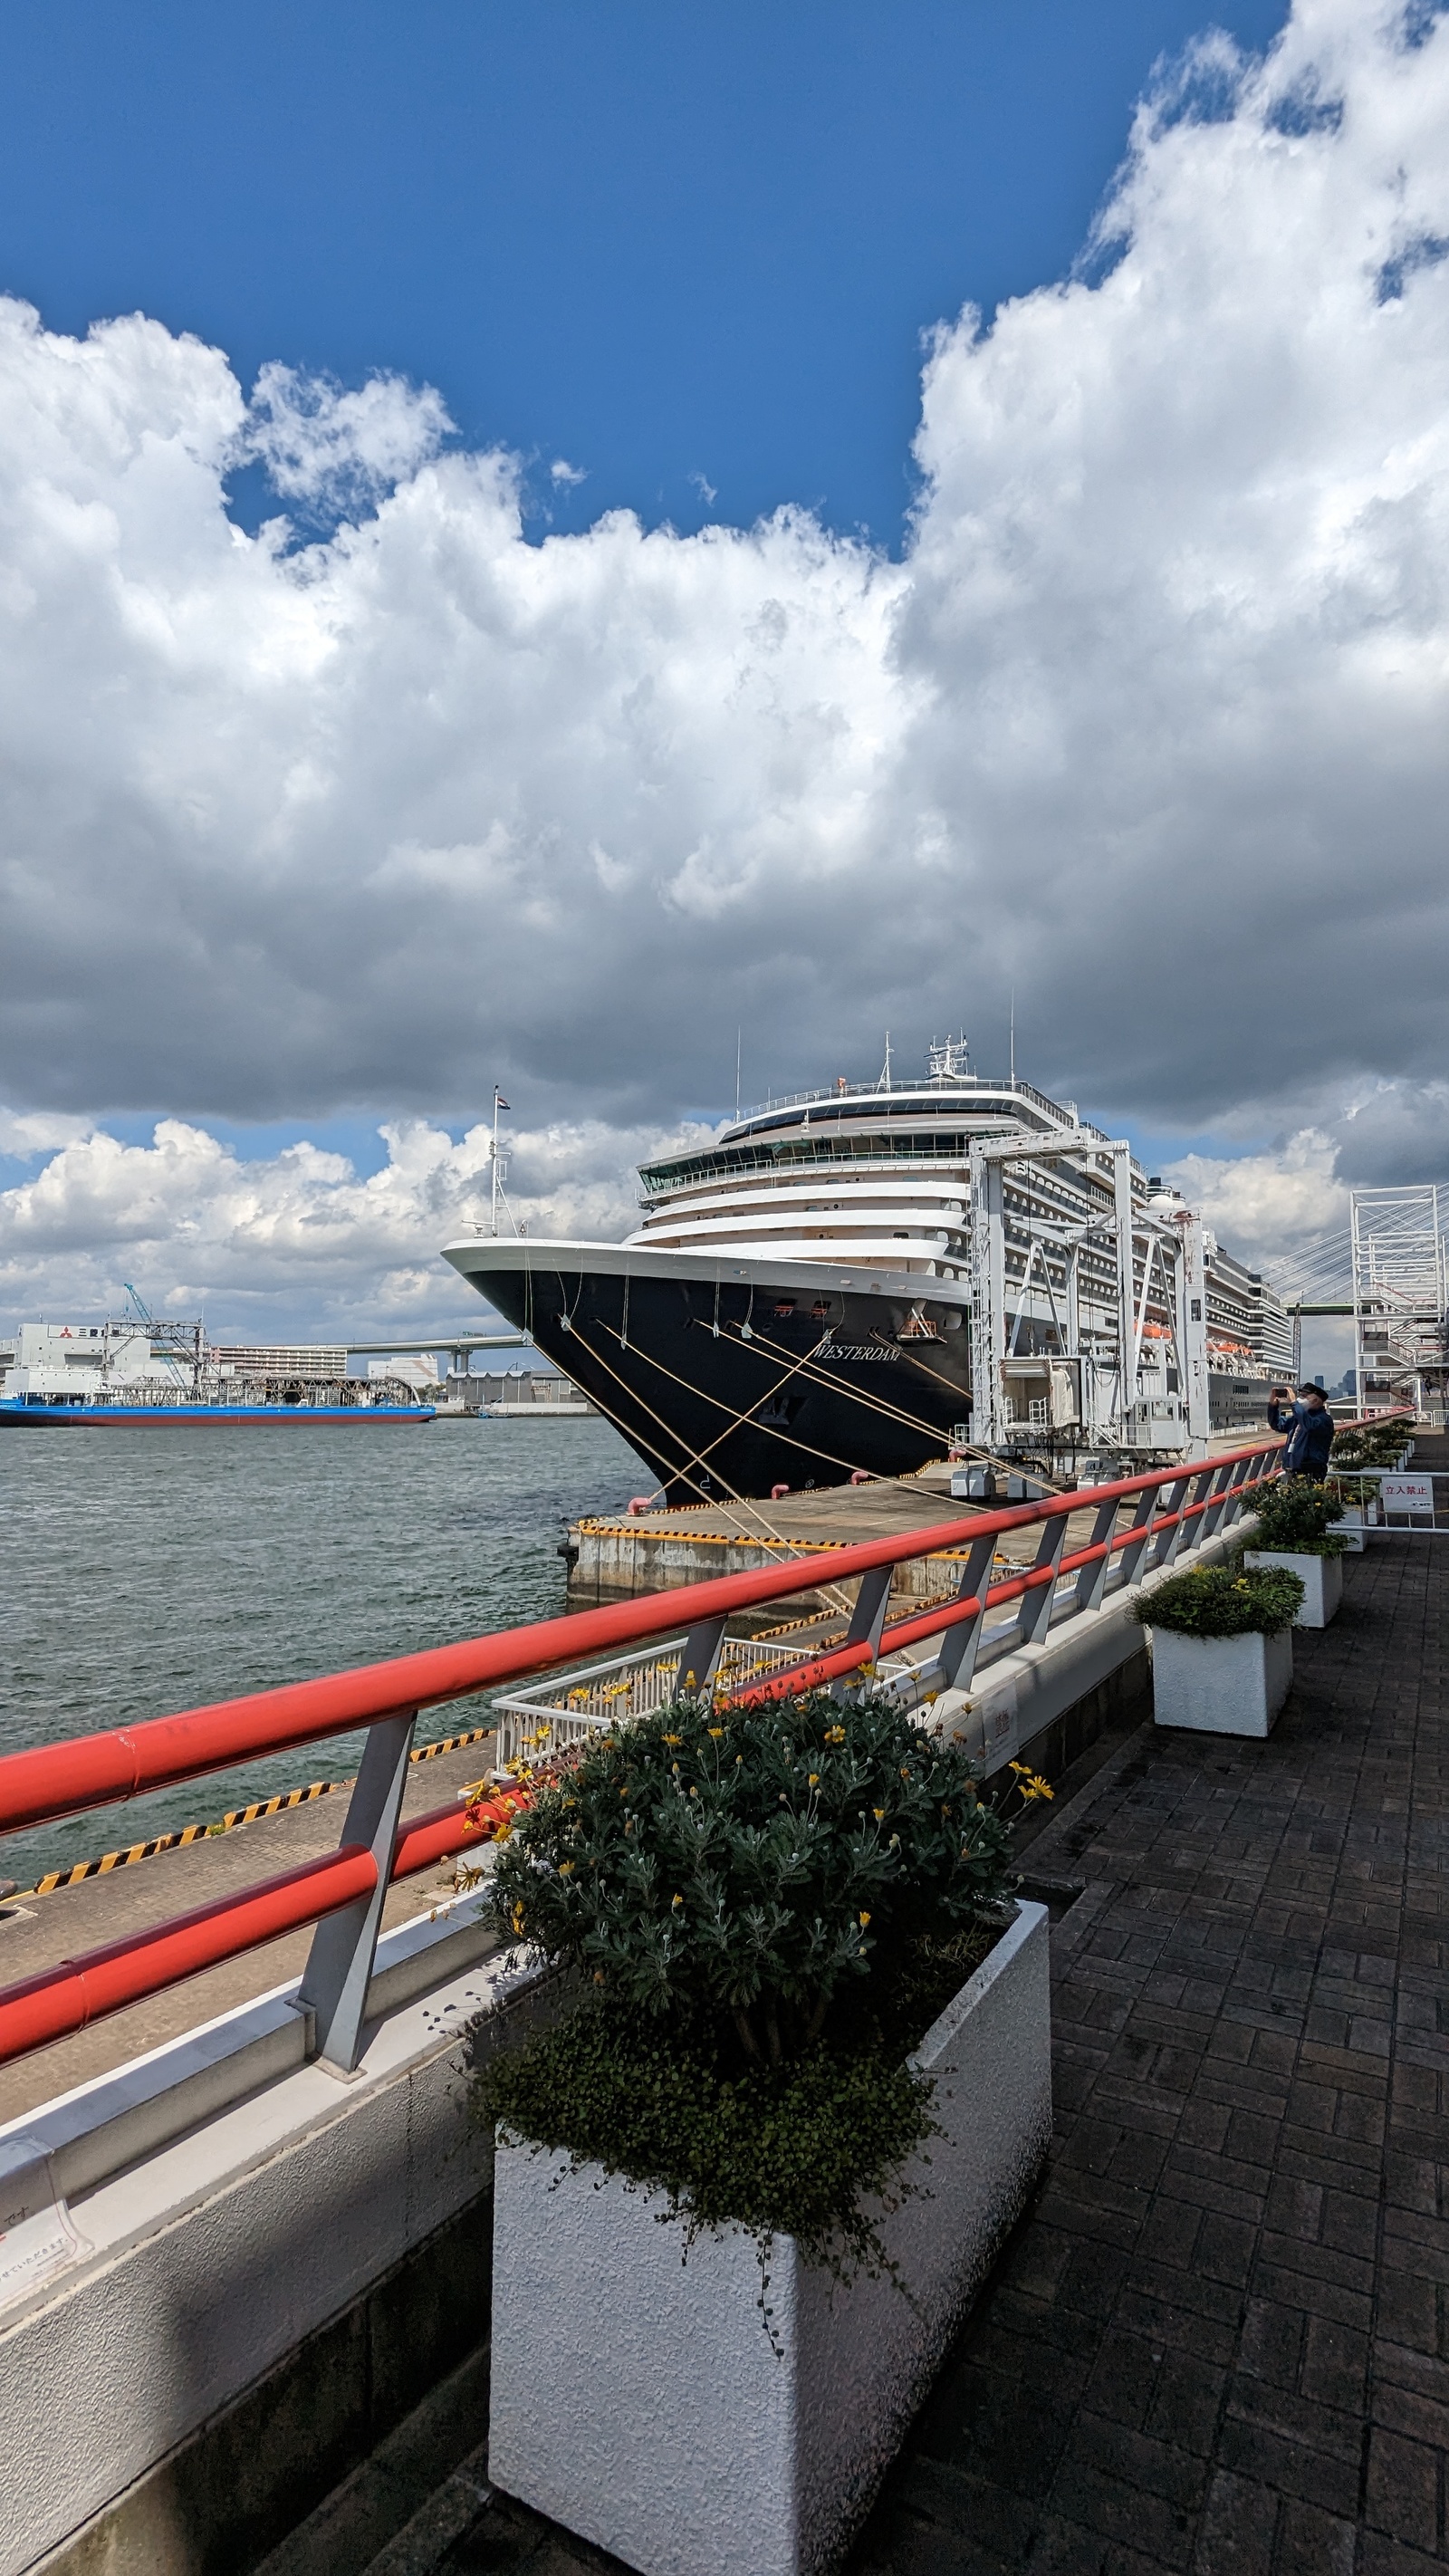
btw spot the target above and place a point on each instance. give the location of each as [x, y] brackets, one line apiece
[862, 1279]
[139, 1367]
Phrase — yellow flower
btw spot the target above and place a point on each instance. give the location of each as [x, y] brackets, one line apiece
[564, 1868]
[716, 1732]
[814, 1779]
[879, 1814]
[1030, 1783]
[674, 1739]
[835, 1735]
[863, 1919]
[677, 1900]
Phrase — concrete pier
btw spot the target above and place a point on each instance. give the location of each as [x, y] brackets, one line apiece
[652, 1551]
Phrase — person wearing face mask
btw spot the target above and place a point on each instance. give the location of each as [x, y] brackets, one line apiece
[1309, 1426]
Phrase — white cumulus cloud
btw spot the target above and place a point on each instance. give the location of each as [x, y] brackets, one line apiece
[1148, 722]
[299, 1240]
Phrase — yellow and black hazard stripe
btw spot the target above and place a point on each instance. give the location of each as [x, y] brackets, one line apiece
[108, 1861]
[84, 1869]
[449, 1744]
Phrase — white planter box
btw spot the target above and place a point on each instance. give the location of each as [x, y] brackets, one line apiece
[1223, 1685]
[1320, 1576]
[636, 2397]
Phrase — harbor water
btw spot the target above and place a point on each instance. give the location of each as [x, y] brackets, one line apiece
[143, 1571]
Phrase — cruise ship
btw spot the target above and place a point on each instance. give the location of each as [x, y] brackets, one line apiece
[858, 1280]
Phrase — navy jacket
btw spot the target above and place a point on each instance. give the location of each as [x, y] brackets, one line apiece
[1310, 1438]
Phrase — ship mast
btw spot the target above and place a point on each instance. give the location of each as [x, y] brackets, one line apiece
[498, 1103]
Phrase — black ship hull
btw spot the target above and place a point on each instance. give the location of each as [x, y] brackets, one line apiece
[737, 1381]
[736, 1384]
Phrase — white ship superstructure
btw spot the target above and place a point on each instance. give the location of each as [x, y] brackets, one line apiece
[1039, 1285]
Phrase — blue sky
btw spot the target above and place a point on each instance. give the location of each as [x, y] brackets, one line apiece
[301, 840]
[660, 242]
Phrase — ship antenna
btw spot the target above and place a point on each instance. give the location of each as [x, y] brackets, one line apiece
[886, 1076]
[739, 1043]
[1013, 1037]
[498, 1103]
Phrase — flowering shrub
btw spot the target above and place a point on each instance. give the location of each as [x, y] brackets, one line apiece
[734, 1869]
[1294, 1517]
[1371, 1444]
[764, 1908]
[1223, 1601]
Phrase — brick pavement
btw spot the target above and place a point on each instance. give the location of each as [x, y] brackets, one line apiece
[1217, 2343]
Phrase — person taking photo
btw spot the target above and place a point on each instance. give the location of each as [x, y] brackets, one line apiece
[1309, 1426]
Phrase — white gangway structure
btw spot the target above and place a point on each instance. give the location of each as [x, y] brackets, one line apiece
[1400, 1266]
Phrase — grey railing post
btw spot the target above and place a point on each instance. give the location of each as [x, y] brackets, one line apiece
[699, 1655]
[339, 1963]
[959, 1645]
[1233, 1500]
[1170, 1540]
[867, 1618]
[1092, 1581]
[1134, 1546]
[1199, 1491]
[1217, 1503]
[1035, 1616]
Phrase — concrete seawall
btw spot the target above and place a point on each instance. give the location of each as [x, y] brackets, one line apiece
[255, 2300]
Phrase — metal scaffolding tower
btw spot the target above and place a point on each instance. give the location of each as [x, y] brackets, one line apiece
[1400, 1295]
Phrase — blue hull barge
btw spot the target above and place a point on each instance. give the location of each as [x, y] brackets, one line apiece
[40, 1414]
[148, 1369]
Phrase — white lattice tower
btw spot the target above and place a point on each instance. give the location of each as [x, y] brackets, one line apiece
[1400, 1290]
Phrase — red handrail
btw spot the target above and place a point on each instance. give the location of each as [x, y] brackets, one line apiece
[64, 1998]
[55, 1780]
[74, 1992]
[62, 1779]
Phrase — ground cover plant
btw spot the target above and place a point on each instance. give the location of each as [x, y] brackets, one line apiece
[1223, 1601]
[1295, 1516]
[762, 1910]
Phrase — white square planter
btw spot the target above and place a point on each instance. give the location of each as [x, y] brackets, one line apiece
[1320, 1576]
[1223, 1685]
[636, 2397]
